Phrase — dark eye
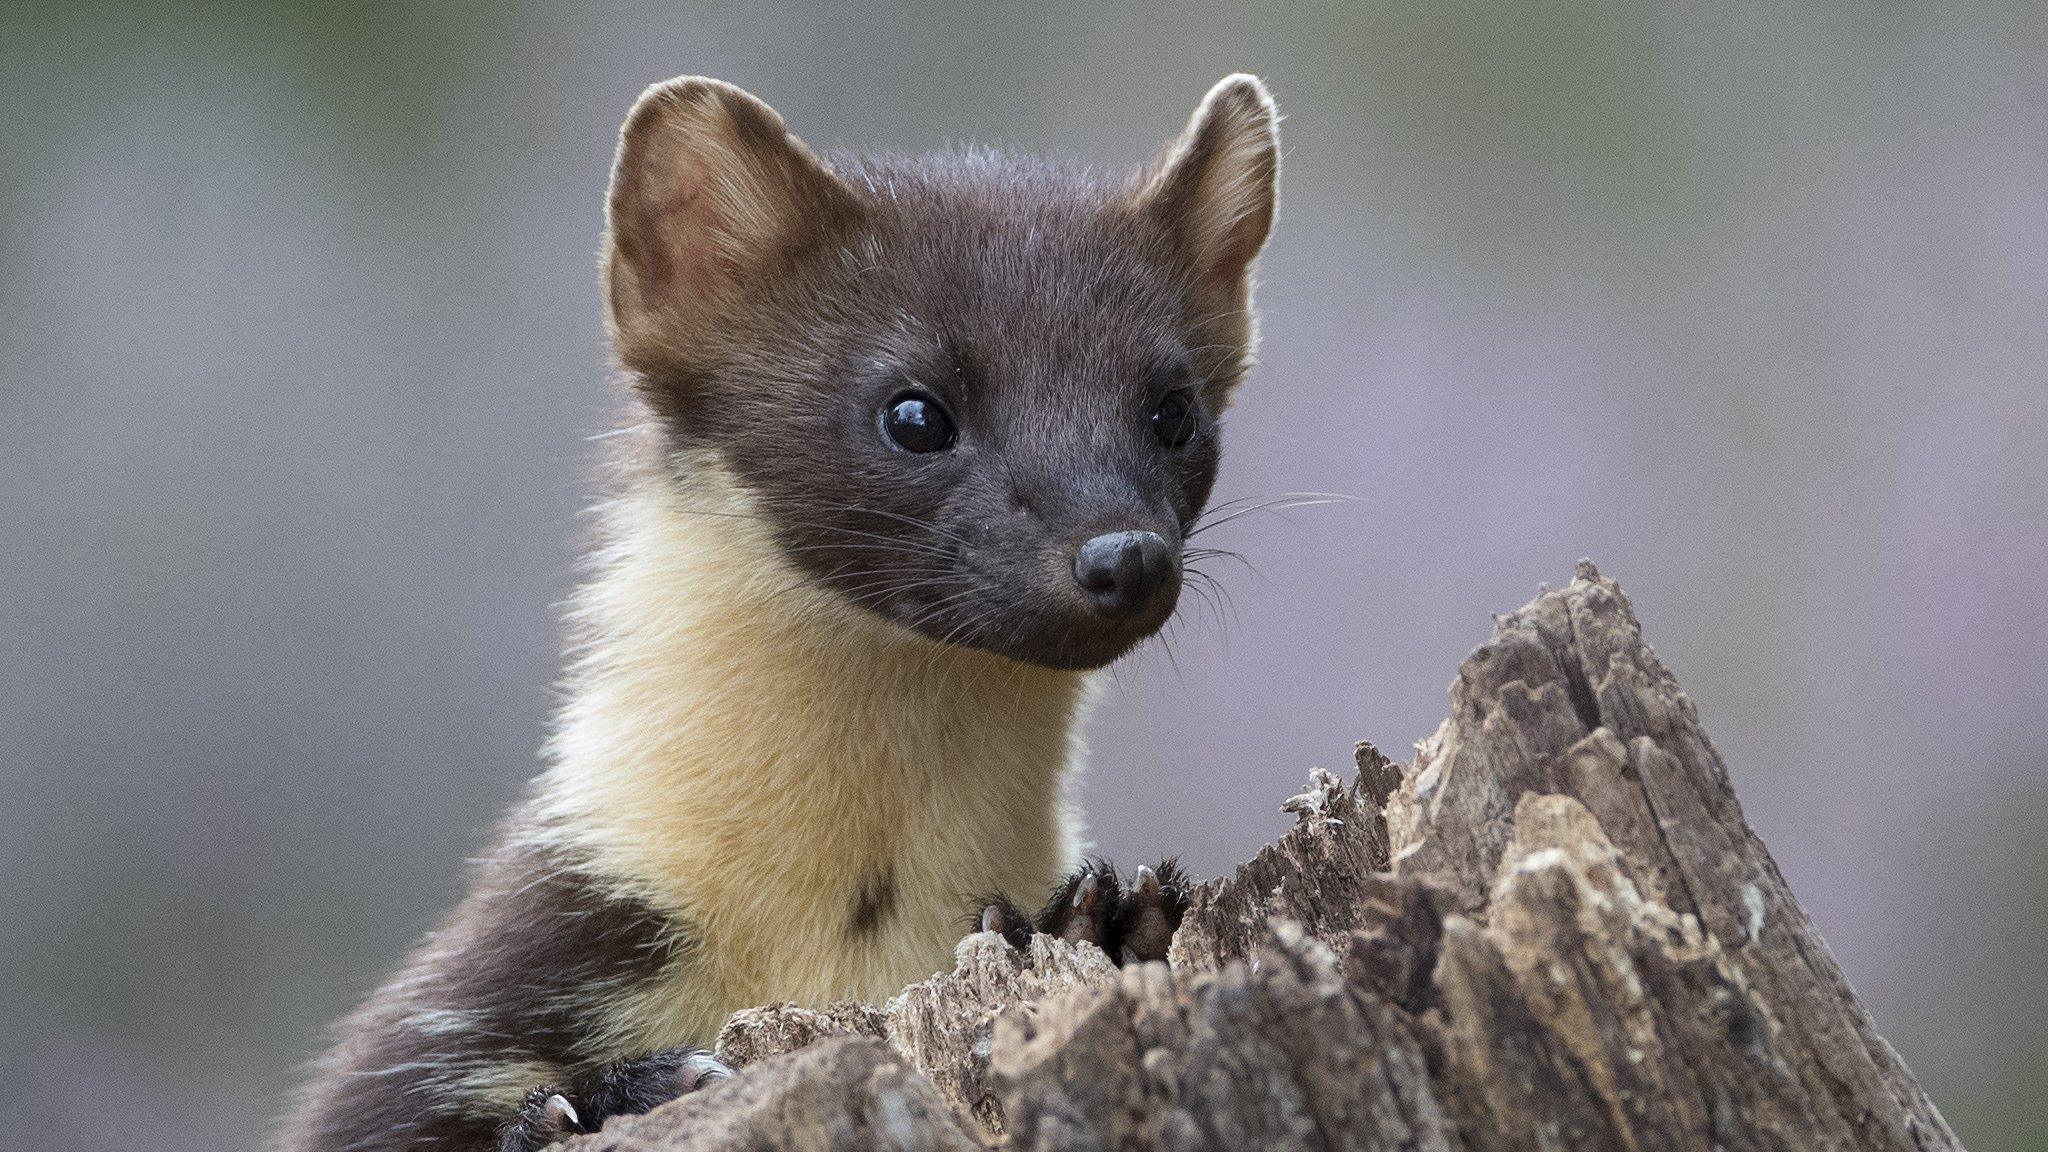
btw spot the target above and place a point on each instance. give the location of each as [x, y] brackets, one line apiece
[1176, 420]
[915, 422]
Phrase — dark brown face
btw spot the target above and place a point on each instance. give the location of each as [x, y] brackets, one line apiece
[974, 395]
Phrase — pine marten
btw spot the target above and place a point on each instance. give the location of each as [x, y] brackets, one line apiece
[915, 447]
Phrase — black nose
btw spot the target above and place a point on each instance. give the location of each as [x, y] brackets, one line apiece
[1120, 572]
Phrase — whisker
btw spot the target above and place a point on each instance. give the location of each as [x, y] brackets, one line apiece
[942, 603]
[1208, 596]
[1275, 506]
[725, 515]
[882, 589]
[825, 526]
[1226, 605]
[914, 545]
[1165, 635]
[1197, 555]
[891, 547]
[934, 529]
[1277, 497]
[628, 430]
[864, 580]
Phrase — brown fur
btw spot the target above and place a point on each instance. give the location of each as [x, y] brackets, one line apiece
[496, 1001]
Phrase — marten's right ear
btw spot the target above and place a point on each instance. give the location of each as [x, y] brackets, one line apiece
[709, 187]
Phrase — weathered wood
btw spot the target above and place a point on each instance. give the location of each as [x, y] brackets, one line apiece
[1553, 930]
[1285, 1054]
[1567, 698]
[844, 1092]
[943, 1025]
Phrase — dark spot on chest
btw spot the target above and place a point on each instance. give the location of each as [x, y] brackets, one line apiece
[873, 903]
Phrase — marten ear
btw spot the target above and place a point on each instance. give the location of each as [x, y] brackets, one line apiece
[708, 189]
[1215, 190]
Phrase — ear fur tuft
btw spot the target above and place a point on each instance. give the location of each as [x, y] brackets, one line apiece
[707, 187]
[1216, 191]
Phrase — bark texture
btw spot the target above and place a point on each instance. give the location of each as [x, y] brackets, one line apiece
[1553, 930]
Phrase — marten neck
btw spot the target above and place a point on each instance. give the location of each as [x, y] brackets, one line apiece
[732, 730]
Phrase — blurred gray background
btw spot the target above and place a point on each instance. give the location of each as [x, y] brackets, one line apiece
[300, 354]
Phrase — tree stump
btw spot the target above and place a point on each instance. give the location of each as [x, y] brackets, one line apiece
[1552, 930]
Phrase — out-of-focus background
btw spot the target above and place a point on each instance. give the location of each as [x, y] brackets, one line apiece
[300, 355]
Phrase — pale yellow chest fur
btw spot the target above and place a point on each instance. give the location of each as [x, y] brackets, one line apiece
[747, 753]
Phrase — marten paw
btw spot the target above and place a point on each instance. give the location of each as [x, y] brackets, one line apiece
[1131, 922]
[1150, 912]
[545, 1117]
[624, 1088]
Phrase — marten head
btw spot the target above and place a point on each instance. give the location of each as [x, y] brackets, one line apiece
[975, 394]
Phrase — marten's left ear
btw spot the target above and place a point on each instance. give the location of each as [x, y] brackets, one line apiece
[1216, 189]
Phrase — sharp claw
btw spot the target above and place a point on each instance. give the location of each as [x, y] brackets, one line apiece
[1147, 883]
[1086, 891]
[706, 1068]
[559, 1105]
